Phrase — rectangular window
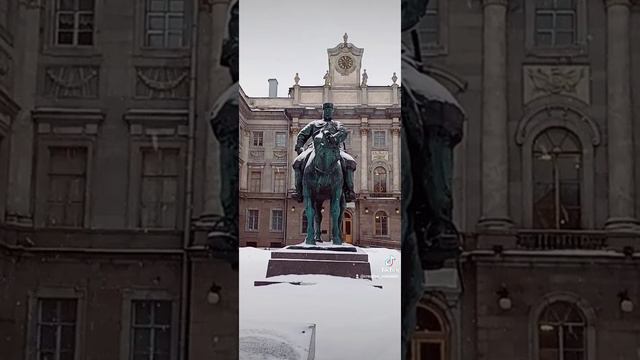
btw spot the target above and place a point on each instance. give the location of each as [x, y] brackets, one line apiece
[165, 24]
[281, 139]
[67, 186]
[252, 219]
[255, 181]
[277, 216]
[150, 335]
[275, 245]
[279, 181]
[56, 329]
[379, 139]
[159, 188]
[4, 13]
[252, 244]
[257, 138]
[430, 24]
[74, 22]
[555, 23]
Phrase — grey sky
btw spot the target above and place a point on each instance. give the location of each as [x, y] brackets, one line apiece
[281, 37]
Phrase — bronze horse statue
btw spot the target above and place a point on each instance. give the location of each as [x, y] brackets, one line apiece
[323, 180]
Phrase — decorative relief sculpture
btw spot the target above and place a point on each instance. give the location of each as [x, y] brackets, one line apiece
[162, 82]
[256, 154]
[542, 81]
[71, 81]
[280, 155]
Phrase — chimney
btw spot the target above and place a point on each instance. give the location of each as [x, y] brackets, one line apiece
[273, 88]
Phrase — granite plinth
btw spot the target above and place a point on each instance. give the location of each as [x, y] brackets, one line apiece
[353, 264]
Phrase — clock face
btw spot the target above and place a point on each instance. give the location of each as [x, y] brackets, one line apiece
[345, 62]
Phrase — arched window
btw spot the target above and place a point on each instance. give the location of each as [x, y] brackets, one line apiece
[379, 180]
[304, 222]
[381, 223]
[430, 337]
[557, 177]
[561, 332]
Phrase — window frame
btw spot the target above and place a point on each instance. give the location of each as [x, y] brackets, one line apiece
[42, 178]
[382, 233]
[375, 178]
[579, 48]
[76, 20]
[442, 337]
[248, 227]
[441, 47]
[64, 293]
[143, 177]
[254, 138]
[587, 311]
[250, 186]
[271, 220]
[135, 181]
[166, 32]
[131, 295]
[279, 172]
[584, 129]
[384, 145]
[275, 139]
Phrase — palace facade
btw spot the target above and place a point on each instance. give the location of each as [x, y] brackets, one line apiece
[546, 184]
[269, 217]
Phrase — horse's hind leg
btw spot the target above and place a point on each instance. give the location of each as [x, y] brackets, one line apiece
[336, 217]
[310, 214]
[318, 220]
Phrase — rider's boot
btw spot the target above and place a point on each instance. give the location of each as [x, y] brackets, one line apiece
[349, 193]
[298, 193]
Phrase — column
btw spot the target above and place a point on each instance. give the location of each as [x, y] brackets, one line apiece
[293, 135]
[27, 38]
[395, 140]
[244, 157]
[619, 119]
[495, 165]
[364, 156]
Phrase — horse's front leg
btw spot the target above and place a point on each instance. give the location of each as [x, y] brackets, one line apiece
[310, 214]
[318, 220]
[336, 217]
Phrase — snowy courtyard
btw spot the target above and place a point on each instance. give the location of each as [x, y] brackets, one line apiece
[354, 318]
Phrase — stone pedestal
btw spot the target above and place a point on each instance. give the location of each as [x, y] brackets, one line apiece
[320, 261]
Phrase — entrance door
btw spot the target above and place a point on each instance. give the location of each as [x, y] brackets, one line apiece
[347, 228]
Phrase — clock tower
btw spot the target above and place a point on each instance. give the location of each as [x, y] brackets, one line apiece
[345, 61]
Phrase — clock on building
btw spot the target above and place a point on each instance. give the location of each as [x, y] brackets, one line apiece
[345, 62]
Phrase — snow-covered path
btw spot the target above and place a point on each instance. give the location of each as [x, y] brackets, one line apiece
[354, 320]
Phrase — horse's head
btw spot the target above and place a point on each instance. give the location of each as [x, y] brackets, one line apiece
[324, 142]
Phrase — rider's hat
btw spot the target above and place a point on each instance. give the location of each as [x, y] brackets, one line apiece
[327, 105]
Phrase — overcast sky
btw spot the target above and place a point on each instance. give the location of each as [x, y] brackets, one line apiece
[281, 37]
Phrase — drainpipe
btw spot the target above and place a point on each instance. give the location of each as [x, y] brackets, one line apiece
[185, 298]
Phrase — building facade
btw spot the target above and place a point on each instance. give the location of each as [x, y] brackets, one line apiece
[545, 183]
[107, 167]
[269, 217]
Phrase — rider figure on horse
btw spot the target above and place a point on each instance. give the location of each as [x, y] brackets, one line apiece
[337, 130]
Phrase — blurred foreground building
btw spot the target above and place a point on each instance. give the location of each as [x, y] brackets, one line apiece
[546, 183]
[106, 160]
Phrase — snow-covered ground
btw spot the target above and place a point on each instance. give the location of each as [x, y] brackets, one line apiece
[354, 319]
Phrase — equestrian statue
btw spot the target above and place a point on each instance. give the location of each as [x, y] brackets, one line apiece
[323, 171]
